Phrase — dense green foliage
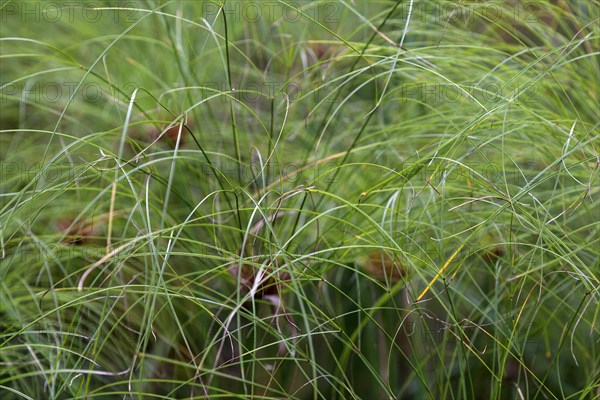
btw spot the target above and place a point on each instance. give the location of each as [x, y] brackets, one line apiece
[307, 200]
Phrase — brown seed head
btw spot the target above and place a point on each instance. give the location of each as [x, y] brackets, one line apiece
[382, 266]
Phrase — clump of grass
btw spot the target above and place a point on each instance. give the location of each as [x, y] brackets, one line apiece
[328, 200]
